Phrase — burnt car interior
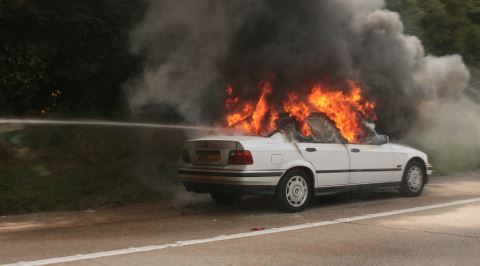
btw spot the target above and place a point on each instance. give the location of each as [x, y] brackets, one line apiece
[323, 130]
[321, 127]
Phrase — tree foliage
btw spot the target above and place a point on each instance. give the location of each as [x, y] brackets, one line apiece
[444, 26]
[66, 57]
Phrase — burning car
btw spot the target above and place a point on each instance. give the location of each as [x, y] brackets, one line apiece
[294, 166]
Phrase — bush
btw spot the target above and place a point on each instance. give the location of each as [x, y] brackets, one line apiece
[64, 168]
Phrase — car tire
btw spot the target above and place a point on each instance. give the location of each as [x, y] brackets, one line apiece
[294, 191]
[225, 199]
[413, 180]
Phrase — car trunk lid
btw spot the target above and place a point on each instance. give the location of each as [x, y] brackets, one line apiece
[211, 152]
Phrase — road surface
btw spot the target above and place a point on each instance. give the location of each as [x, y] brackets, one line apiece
[441, 227]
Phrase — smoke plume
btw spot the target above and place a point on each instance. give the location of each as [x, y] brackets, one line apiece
[194, 49]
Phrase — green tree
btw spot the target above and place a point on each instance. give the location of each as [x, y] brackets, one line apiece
[444, 26]
[67, 57]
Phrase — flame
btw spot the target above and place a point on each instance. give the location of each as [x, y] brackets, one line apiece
[231, 101]
[343, 108]
[346, 109]
[251, 117]
[299, 110]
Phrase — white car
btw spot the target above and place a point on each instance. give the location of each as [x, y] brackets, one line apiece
[293, 167]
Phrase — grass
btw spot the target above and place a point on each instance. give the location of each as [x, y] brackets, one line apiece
[66, 168]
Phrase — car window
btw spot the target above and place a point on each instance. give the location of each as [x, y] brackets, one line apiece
[370, 137]
[323, 131]
[290, 127]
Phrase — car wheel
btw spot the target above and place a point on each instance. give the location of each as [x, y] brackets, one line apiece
[413, 179]
[225, 199]
[294, 191]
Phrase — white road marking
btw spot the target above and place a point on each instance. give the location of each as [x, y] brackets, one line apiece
[237, 236]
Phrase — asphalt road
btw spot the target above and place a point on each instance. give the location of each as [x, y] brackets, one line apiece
[441, 227]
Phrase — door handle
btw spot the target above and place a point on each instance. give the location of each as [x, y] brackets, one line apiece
[355, 150]
[311, 149]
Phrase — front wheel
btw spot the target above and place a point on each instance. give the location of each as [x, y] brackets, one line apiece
[294, 191]
[413, 179]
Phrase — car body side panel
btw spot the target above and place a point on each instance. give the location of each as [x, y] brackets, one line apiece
[401, 159]
[371, 163]
[330, 161]
[403, 154]
[300, 162]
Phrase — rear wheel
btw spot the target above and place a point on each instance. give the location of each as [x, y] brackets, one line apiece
[413, 179]
[225, 199]
[294, 191]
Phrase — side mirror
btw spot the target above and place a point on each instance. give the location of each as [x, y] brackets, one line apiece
[380, 140]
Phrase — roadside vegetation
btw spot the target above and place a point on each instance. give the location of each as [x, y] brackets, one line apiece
[66, 58]
[71, 167]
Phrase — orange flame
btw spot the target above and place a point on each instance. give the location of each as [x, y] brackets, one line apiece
[346, 110]
[298, 110]
[250, 118]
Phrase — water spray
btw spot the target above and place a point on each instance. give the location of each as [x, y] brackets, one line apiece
[107, 123]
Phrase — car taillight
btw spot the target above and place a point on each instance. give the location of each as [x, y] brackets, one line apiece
[240, 157]
[186, 157]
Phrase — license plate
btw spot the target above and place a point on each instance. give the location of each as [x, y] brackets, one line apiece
[208, 156]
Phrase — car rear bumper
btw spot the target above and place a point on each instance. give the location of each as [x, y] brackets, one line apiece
[244, 182]
[237, 189]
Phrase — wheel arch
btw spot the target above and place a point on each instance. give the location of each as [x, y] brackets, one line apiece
[422, 163]
[306, 169]
[281, 194]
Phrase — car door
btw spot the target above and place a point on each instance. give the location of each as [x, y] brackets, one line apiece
[371, 163]
[325, 150]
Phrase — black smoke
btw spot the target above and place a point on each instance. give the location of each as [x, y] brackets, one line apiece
[193, 49]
